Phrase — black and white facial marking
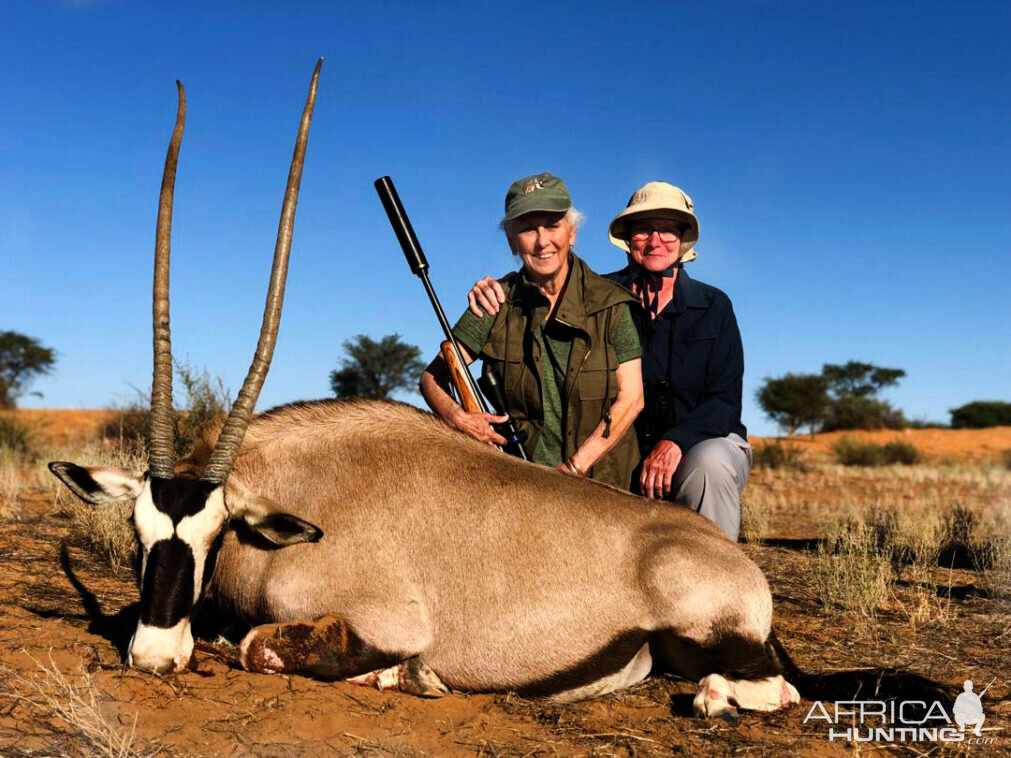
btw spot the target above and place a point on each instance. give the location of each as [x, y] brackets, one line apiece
[179, 524]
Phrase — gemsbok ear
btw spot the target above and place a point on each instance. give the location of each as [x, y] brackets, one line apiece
[283, 529]
[98, 485]
[265, 517]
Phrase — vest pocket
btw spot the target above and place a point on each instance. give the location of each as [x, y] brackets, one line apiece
[594, 384]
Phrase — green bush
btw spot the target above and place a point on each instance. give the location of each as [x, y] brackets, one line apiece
[850, 452]
[777, 455]
[862, 413]
[904, 453]
[981, 414]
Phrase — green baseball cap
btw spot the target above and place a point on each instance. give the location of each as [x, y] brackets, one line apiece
[540, 192]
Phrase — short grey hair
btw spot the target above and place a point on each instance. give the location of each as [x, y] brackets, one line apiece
[574, 217]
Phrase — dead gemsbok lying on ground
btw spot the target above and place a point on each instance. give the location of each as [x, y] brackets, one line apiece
[417, 558]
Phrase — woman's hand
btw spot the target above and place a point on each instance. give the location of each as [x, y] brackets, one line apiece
[658, 470]
[485, 297]
[478, 425]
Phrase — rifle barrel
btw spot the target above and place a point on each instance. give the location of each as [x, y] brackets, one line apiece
[419, 267]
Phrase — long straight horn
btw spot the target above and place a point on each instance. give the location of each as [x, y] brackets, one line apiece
[162, 456]
[227, 447]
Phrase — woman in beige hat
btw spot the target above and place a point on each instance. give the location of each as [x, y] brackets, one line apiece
[693, 444]
[563, 343]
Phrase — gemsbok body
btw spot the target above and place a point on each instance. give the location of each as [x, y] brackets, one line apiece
[368, 541]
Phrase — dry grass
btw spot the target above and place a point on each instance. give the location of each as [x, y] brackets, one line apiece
[107, 530]
[803, 503]
[852, 569]
[73, 709]
[10, 483]
[994, 556]
[754, 522]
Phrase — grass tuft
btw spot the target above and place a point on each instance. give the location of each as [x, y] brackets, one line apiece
[993, 557]
[852, 568]
[754, 521]
[106, 530]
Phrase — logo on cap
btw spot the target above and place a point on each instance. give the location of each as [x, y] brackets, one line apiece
[533, 186]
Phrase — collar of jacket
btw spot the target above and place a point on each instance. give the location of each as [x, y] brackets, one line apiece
[585, 293]
[687, 292]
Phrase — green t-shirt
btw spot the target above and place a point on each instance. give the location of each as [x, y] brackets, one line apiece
[555, 342]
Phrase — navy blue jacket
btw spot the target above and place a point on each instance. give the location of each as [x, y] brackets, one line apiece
[694, 344]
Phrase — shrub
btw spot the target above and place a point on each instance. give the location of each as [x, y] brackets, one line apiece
[776, 455]
[862, 413]
[904, 453]
[850, 452]
[206, 398]
[981, 414]
[852, 568]
[1006, 455]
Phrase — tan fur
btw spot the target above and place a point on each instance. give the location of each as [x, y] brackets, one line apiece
[498, 573]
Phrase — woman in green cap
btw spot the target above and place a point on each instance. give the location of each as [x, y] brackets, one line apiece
[563, 343]
[692, 441]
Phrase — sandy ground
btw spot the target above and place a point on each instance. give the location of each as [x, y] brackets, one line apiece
[61, 427]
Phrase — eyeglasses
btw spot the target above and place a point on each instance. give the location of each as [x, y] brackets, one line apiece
[666, 233]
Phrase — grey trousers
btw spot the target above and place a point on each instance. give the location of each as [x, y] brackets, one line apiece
[711, 478]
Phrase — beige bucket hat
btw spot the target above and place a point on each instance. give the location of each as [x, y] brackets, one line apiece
[660, 200]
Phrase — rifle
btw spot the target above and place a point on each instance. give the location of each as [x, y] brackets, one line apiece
[463, 382]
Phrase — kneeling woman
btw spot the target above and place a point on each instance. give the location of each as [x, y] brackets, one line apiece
[563, 343]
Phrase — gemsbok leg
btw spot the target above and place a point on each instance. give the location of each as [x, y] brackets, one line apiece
[329, 648]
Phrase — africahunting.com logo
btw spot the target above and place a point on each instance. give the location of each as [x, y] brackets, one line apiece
[905, 720]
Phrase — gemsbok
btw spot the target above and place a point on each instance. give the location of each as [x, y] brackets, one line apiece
[371, 542]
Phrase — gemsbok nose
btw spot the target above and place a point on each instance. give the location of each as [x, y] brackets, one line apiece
[162, 651]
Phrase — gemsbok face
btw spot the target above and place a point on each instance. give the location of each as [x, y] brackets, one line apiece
[180, 522]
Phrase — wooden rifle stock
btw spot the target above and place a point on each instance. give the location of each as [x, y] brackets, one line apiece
[464, 389]
[470, 399]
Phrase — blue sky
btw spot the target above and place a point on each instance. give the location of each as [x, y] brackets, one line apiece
[850, 165]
